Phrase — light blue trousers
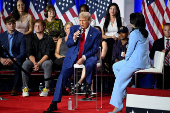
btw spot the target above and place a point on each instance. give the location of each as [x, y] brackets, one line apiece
[123, 76]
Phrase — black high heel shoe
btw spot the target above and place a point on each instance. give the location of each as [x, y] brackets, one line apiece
[53, 106]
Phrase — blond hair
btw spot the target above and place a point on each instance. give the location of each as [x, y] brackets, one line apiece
[85, 15]
[70, 23]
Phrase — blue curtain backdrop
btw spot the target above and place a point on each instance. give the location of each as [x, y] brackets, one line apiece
[137, 5]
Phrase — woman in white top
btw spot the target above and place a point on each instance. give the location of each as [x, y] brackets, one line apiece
[110, 25]
[83, 8]
[24, 21]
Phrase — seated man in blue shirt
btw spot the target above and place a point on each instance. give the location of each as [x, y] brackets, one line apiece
[14, 42]
[119, 48]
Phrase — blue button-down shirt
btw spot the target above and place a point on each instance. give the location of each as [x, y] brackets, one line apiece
[10, 39]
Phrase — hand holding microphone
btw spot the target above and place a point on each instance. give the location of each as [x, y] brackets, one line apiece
[77, 34]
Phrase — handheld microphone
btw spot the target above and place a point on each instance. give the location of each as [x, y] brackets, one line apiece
[80, 29]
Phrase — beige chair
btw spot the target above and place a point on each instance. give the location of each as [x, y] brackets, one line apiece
[157, 66]
[98, 65]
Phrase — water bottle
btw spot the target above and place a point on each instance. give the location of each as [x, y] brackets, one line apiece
[40, 88]
[69, 104]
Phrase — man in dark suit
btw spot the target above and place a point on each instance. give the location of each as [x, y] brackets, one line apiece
[161, 45]
[81, 50]
[14, 42]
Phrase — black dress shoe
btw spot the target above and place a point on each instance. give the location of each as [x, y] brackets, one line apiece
[88, 88]
[53, 106]
[77, 86]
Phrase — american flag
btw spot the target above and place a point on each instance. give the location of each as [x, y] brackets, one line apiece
[8, 6]
[153, 11]
[98, 9]
[65, 10]
[167, 13]
[36, 8]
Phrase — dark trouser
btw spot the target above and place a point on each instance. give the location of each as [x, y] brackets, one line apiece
[58, 63]
[66, 74]
[167, 77]
[17, 72]
[108, 58]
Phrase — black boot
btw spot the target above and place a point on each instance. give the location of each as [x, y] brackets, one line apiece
[53, 106]
[88, 88]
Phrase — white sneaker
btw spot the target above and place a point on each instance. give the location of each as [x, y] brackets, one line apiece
[44, 92]
[25, 92]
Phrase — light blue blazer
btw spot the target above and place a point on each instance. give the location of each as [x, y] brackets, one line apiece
[137, 55]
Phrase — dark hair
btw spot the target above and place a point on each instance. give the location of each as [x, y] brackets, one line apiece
[166, 24]
[15, 12]
[47, 8]
[9, 19]
[98, 27]
[138, 20]
[39, 21]
[84, 5]
[107, 19]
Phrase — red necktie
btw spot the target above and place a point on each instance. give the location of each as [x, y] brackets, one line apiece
[82, 40]
[167, 57]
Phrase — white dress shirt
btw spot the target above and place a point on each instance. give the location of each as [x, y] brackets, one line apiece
[86, 33]
[112, 30]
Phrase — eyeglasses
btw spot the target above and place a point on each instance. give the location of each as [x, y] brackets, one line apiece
[22, 5]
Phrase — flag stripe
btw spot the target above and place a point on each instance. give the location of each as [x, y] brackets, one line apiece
[167, 13]
[29, 10]
[154, 12]
[65, 17]
[40, 17]
[59, 14]
[156, 20]
[72, 12]
[150, 28]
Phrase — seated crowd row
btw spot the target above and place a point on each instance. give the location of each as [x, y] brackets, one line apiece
[40, 48]
[46, 48]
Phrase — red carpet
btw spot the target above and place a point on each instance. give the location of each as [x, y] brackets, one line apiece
[36, 104]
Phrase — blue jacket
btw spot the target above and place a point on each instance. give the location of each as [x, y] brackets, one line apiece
[18, 45]
[137, 55]
[90, 47]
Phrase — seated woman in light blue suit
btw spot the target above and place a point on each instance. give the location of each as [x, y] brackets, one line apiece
[137, 57]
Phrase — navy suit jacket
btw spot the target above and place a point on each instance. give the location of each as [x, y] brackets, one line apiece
[18, 45]
[158, 45]
[90, 47]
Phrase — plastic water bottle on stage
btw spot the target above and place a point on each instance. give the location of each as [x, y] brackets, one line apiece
[69, 104]
[40, 88]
